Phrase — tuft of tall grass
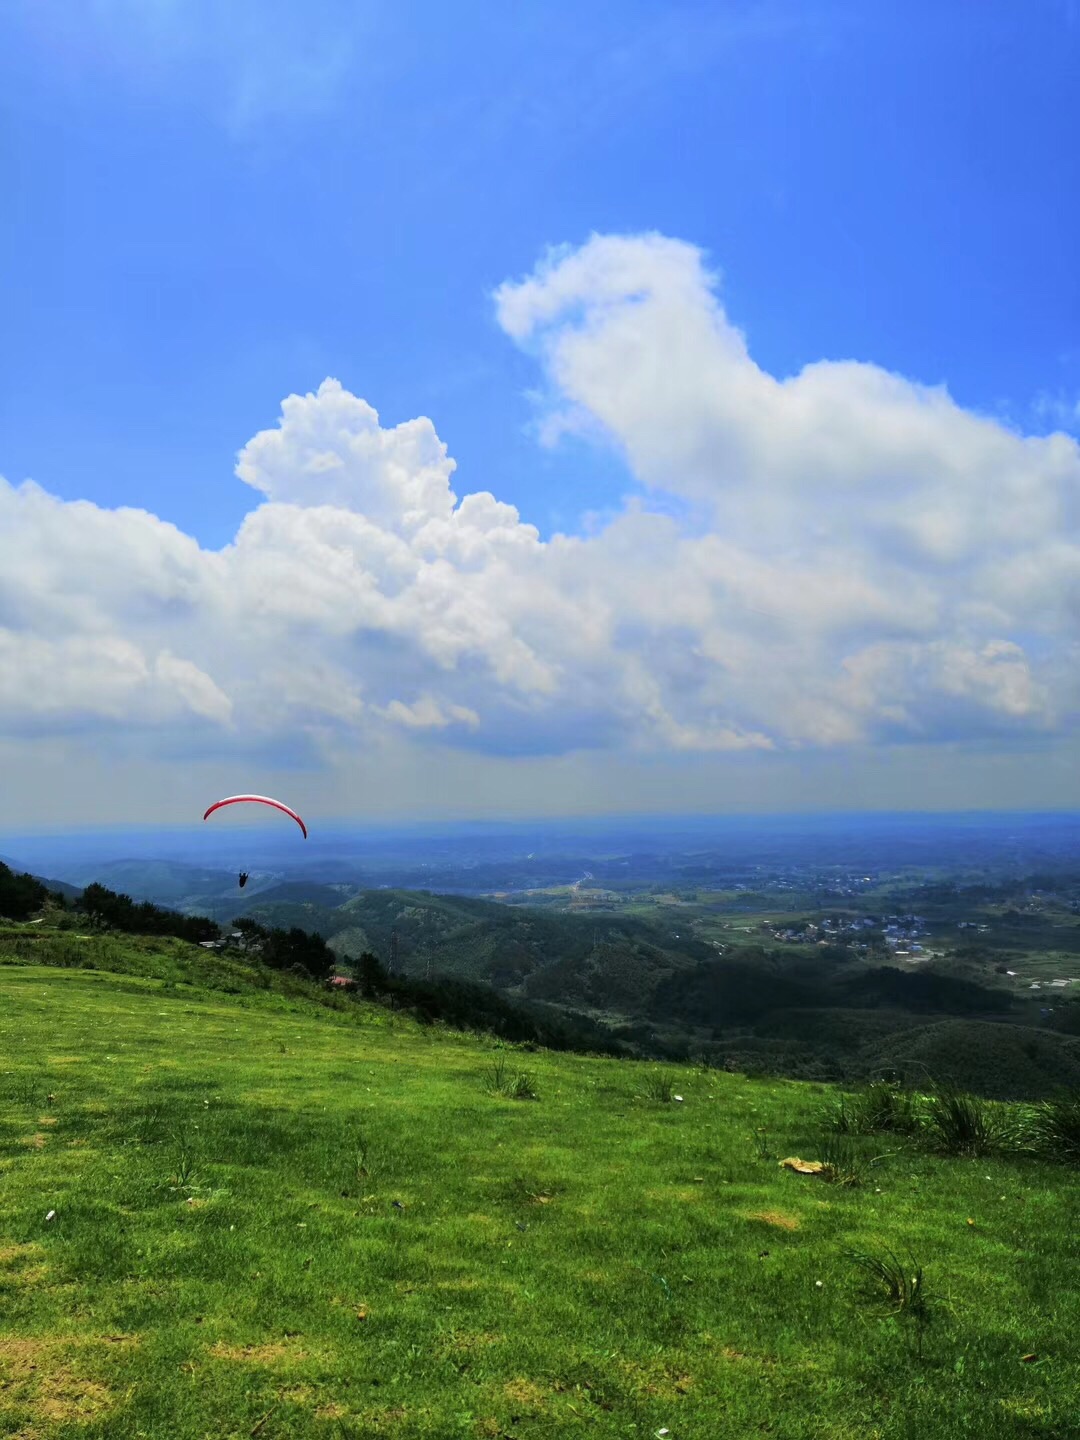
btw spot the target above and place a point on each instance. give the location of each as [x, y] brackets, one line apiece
[659, 1086]
[501, 1080]
[883, 1107]
[892, 1287]
[844, 1163]
[889, 1285]
[961, 1124]
[1052, 1129]
[183, 1176]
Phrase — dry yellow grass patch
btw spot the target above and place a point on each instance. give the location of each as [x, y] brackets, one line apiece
[34, 1142]
[258, 1354]
[656, 1378]
[330, 1411]
[1024, 1407]
[473, 1340]
[33, 1373]
[385, 1421]
[775, 1217]
[31, 1275]
[729, 1352]
[525, 1392]
[297, 1394]
[20, 1254]
[46, 1120]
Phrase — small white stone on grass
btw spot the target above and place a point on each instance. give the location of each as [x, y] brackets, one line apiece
[51, 1215]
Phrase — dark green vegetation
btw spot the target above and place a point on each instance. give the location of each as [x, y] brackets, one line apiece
[255, 1214]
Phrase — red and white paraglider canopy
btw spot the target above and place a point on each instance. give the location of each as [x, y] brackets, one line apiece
[256, 800]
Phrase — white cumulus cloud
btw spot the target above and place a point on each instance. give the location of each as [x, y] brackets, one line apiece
[859, 560]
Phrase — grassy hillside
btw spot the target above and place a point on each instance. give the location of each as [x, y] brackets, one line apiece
[246, 1215]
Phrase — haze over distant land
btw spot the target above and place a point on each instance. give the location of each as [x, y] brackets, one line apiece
[458, 857]
[611, 473]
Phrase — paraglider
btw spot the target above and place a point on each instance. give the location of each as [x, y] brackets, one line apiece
[255, 800]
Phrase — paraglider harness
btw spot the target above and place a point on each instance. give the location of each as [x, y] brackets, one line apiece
[243, 878]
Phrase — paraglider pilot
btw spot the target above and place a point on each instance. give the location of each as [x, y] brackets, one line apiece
[243, 878]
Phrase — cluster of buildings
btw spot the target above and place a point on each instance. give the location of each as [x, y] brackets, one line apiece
[902, 934]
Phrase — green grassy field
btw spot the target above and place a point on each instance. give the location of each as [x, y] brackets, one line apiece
[270, 1219]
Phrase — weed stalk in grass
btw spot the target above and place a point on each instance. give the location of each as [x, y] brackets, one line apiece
[762, 1148]
[362, 1150]
[186, 1162]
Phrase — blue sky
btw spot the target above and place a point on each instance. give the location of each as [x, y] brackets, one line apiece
[896, 182]
[210, 208]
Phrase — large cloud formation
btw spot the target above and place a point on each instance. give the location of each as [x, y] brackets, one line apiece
[855, 559]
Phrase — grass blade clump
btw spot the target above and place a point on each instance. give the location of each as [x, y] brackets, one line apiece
[883, 1107]
[961, 1124]
[844, 1163]
[659, 1087]
[893, 1288]
[501, 1080]
[1052, 1130]
[183, 1176]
